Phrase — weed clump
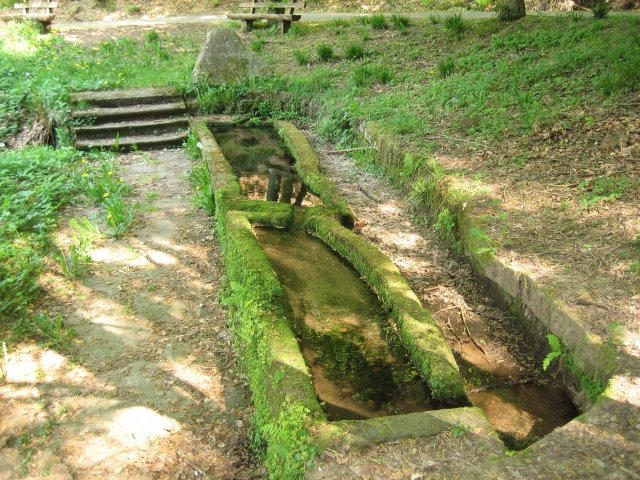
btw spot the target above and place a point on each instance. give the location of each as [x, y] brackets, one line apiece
[600, 10]
[377, 22]
[446, 67]
[302, 58]
[456, 25]
[367, 75]
[355, 51]
[324, 52]
[257, 45]
[400, 22]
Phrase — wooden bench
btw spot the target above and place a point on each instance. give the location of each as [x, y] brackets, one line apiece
[41, 12]
[283, 13]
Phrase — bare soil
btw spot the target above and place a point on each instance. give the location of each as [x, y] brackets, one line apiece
[150, 387]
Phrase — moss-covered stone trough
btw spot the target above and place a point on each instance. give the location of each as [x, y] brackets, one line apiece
[289, 418]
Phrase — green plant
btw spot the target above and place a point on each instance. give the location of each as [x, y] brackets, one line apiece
[51, 331]
[401, 22]
[446, 67]
[119, 216]
[377, 21]
[133, 9]
[257, 44]
[367, 75]
[201, 179]
[324, 52]
[556, 351]
[434, 19]
[445, 223]
[355, 51]
[459, 430]
[191, 145]
[600, 10]
[152, 37]
[603, 189]
[302, 58]
[456, 25]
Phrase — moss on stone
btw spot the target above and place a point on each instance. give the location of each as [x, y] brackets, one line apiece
[283, 396]
[308, 167]
[419, 332]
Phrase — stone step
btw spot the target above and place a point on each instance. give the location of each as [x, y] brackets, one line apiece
[100, 116]
[134, 128]
[124, 98]
[141, 142]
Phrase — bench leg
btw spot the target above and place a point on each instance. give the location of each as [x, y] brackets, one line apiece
[284, 26]
[248, 25]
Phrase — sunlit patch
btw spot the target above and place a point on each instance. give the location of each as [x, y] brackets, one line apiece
[388, 208]
[136, 426]
[120, 255]
[129, 333]
[537, 269]
[406, 241]
[32, 366]
[161, 258]
[122, 437]
[208, 383]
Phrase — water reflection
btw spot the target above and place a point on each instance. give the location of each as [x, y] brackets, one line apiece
[263, 167]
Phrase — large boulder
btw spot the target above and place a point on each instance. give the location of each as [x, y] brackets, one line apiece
[224, 58]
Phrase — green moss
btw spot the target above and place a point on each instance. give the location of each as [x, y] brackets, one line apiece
[429, 349]
[307, 165]
[284, 400]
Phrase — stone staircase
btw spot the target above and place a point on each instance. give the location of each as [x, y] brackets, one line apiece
[143, 119]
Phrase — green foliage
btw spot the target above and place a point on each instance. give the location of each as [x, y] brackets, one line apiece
[338, 123]
[603, 189]
[119, 216]
[34, 183]
[191, 146]
[600, 9]
[446, 67]
[133, 9]
[590, 386]
[456, 25]
[377, 21]
[459, 429]
[445, 223]
[555, 352]
[324, 52]
[257, 44]
[400, 22]
[201, 179]
[367, 75]
[74, 260]
[355, 51]
[302, 58]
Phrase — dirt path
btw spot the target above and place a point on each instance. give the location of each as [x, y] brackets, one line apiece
[151, 389]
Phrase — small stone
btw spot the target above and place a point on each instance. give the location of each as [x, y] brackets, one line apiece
[239, 423]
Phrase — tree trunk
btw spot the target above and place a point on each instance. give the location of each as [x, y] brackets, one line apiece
[511, 10]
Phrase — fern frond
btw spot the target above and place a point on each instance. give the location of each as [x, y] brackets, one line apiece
[554, 343]
[551, 356]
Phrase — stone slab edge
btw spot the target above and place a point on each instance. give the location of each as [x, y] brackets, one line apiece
[360, 433]
[590, 351]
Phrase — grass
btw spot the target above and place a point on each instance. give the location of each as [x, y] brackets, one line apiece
[34, 183]
[324, 52]
[355, 51]
[37, 72]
